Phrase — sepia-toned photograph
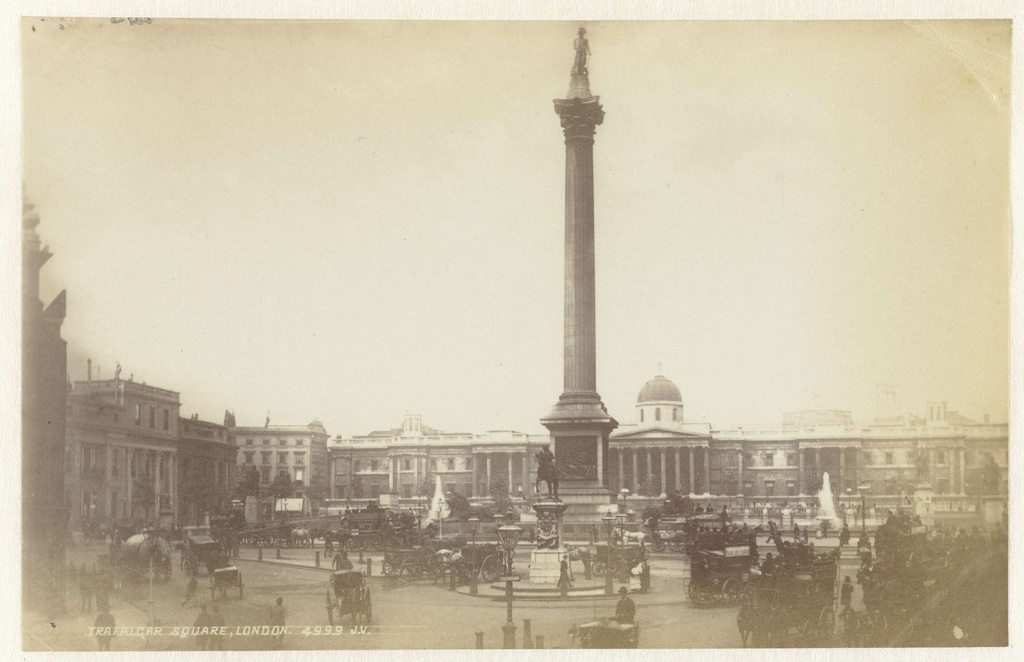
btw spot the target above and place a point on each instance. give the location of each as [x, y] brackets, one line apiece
[405, 335]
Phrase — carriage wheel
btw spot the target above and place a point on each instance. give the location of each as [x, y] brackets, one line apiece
[658, 545]
[826, 622]
[732, 589]
[676, 546]
[387, 568]
[490, 569]
[330, 609]
[411, 569]
[598, 568]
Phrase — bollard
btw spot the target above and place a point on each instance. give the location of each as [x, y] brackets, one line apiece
[369, 567]
[360, 556]
[540, 641]
[452, 579]
[259, 553]
[316, 559]
[527, 635]
[236, 551]
[479, 639]
[278, 556]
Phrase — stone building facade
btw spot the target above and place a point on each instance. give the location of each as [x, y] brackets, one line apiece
[206, 466]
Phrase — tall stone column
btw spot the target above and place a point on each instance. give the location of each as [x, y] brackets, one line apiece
[476, 473]
[648, 453]
[689, 465]
[963, 471]
[579, 422]
[664, 487]
[620, 455]
[739, 461]
[801, 483]
[842, 470]
[509, 458]
[707, 470]
[678, 459]
[636, 483]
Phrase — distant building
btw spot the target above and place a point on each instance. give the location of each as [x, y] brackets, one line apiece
[406, 462]
[122, 453]
[206, 466]
[661, 453]
[298, 452]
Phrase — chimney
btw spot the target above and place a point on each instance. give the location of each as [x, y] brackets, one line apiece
[88, 364]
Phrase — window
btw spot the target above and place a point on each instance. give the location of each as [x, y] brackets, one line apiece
[248, 442]
[138, 414]
[943, 486]
[405, 464]
[730, 460]
[790, 488]
[266, 442]
[433, 463]
[888, 458]
[266, 457]
[300, 475]
[641, 415]
[300, 442]
[748, 487]
[790, 459]
[300, 458]
[451, 464]
[283, 473]
[282, 458]
[675, 413]
[657, 413]
[748, 460]
[406, 491]
[942, 457]
[469, 463]
[264, 474]
[248, 457]
[374, 465]
[167, 419]
[152, 417]
[282, 442]
[769, 459]
[867, 457]
[357, 465]
[449, 488]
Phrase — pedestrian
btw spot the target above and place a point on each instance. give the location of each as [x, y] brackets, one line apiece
[645, 577]
[563, 579]
[625, 610]
[844, 536]
[203, 622]
[768, 565]
[846, 595]
[190, 590]
[277, 618]
[104, 620]
[796, 531]
[634, 579]
[85, 588]
[216, 621]
[328, 546]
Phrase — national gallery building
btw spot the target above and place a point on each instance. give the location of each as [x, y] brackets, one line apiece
[661, 453]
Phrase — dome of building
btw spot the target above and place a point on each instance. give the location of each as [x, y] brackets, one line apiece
[659, 389]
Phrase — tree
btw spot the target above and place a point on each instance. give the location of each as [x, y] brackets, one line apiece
[248, 483]
[426, 487]
[498, 490]
[357, 487]
[282, 487]
[459, 507]
[317, 490]
[814, 481]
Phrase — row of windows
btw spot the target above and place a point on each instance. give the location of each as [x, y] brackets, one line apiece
[166, 417]
[657, 414]
[282, 457]
[280, 442]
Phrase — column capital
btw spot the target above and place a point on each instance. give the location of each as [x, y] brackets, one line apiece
[580, 117]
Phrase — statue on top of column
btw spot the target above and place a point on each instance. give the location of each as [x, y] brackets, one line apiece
[547, 471]
[582, 47]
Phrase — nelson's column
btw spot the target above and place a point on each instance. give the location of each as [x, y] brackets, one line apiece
[579, 423]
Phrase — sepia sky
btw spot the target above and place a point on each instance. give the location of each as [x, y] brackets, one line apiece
[351, 220]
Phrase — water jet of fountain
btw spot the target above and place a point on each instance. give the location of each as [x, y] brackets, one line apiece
[826, 503]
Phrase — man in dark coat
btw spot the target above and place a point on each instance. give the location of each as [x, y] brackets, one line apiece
[563, 579]
[104, 619]
[203, 621]
[846, 595]
[625, 610]
[844, 536]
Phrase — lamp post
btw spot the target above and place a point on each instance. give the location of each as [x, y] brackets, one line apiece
[863, 489]
[508, 537]
[609, 521]
[473, 522]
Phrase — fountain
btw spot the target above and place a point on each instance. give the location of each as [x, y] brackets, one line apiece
[826, 504]
[438, 505]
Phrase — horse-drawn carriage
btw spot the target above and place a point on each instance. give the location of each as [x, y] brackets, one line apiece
[796, 603]
[221, 579]
[412, 563]
[142, 552]
[202, 550]
[719, 577]
[347, 593]
[376, 529]
[618, 560]
[608, 633]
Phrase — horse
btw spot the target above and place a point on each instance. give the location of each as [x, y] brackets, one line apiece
[626, 538]
[301, 537]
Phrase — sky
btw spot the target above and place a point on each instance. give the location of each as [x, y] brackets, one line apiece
[351, 220]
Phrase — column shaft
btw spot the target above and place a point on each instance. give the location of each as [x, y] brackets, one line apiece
[707, 469]
[635, 482]
[664, 488]
[678, 459]
[692, 487]
[620, 455]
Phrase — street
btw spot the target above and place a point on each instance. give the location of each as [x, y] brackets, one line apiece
[398, 611]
